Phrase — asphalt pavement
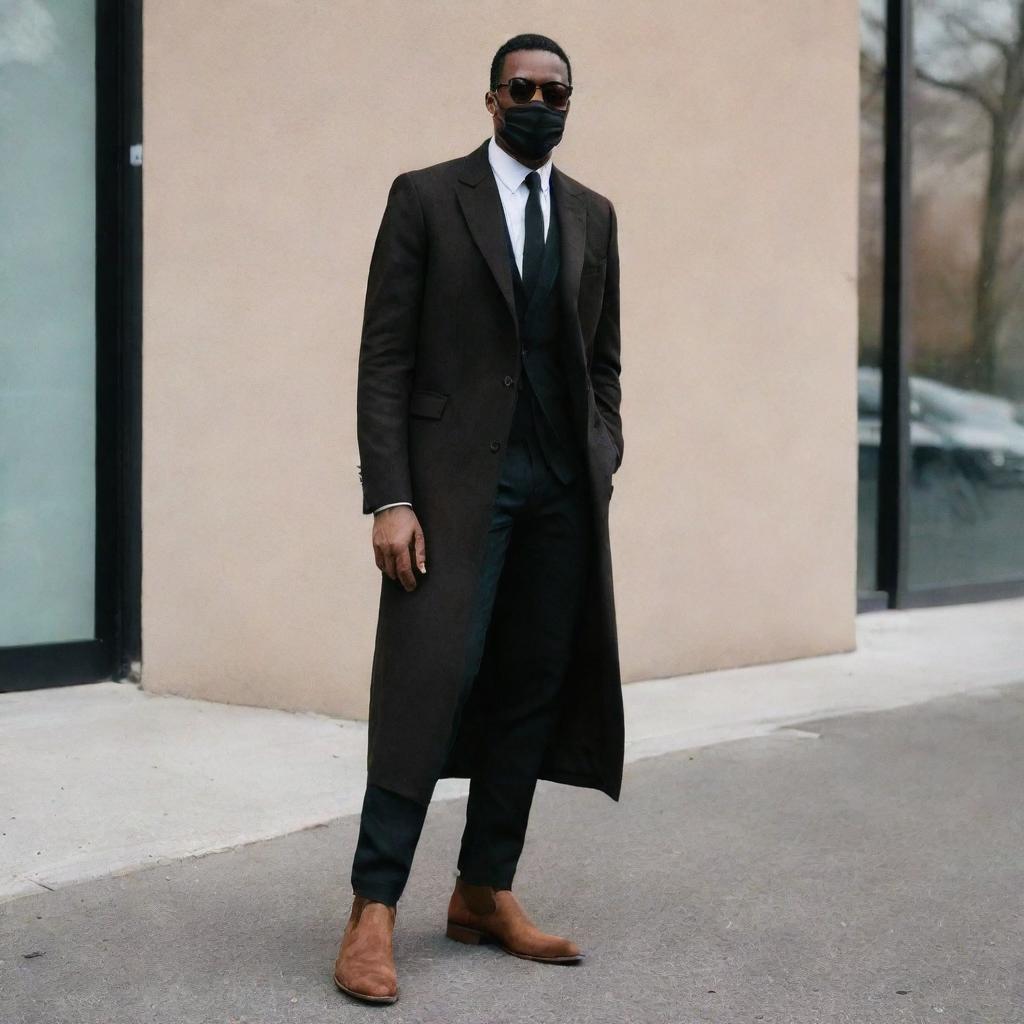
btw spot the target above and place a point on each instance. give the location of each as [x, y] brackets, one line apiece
[862, 868]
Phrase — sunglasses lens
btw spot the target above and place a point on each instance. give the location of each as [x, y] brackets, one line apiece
[520, 90]
[555, 94]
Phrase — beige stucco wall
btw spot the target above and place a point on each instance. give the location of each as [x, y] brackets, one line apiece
[725, 131]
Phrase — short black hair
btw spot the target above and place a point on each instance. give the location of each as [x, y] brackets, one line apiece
[526, 41]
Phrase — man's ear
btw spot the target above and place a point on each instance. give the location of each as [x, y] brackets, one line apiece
[490, 102]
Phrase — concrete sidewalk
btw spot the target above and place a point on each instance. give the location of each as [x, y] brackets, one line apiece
[871, 874]
[106, 778]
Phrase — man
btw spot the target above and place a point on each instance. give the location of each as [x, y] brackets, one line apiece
[489, 430]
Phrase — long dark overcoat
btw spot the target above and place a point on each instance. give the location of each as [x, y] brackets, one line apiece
[438, 364]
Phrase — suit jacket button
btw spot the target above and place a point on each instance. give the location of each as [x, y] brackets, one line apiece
[508, 381]
[495, 445]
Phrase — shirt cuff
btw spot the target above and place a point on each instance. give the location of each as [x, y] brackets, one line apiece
[392, 505]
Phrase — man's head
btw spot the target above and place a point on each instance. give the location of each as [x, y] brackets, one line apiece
[528, 128]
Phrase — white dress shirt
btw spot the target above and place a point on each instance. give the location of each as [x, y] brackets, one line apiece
[510, 177]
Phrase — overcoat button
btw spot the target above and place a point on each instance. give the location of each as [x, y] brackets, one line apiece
[495, 445]
[508, 381]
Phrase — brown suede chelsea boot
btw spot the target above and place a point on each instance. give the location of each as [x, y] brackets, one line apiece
[480, 913]
[365, 967]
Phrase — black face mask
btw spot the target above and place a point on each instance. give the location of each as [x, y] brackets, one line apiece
[532, 129]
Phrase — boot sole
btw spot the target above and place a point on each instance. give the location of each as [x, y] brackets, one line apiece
[475, 937]
[364, 997]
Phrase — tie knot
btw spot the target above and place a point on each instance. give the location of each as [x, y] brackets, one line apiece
[533, 181]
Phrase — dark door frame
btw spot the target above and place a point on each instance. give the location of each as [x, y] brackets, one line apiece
[893, 523]
[115, 650]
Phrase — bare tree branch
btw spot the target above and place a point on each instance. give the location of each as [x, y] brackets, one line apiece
[874, 21]
[1015, 181]
[1007, 291]
[872, 74]
[968, 89]
[954, 20]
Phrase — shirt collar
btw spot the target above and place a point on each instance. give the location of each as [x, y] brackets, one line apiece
[510, 172]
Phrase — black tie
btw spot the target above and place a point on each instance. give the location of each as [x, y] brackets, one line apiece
[533, 246]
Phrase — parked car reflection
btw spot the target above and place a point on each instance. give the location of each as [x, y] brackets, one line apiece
[979, 429]
[953, 431]
[927, 445]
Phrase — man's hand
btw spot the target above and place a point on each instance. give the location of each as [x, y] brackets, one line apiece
[397, 541]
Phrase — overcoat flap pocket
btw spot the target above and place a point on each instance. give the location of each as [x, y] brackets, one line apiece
[427, 403]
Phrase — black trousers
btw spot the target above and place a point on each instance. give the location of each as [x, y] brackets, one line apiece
[530, 596]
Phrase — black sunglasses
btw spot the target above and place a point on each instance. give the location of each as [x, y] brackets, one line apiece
[522, 90]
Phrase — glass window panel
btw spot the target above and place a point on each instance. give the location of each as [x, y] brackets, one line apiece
[47, 321]
[967, 293]
[871, 242]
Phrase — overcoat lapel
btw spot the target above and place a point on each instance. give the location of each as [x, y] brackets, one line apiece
[481, 206]
[572, 225]
[572, 229]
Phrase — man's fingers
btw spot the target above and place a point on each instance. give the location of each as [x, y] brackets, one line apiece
[403, 566]
[420, 546]
[389, 563]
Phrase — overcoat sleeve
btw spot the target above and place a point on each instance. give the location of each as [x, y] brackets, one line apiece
[605, 368]
[387, 351]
